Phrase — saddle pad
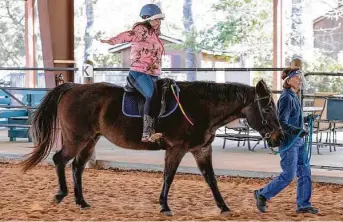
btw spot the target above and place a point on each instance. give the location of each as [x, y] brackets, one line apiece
[131, 100]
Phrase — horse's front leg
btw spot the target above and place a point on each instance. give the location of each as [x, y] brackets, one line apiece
[172, 160]
[203, 157]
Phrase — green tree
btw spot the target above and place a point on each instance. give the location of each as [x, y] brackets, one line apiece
[107, 59]
[245, 31]
[247, 24]
[323, 63]
[86, 37]
[12, 29]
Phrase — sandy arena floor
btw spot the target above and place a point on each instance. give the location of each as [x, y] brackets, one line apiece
[127, 195]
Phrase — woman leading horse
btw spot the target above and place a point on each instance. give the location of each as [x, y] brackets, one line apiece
[86, 112]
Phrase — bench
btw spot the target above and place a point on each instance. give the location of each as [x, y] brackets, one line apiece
[17, 119]
[32, 98]
[241, 137]
[18, 128]
[5, 113]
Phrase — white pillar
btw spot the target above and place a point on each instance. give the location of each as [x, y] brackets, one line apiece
[87, 77]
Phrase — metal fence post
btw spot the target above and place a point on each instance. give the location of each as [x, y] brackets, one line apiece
[87, 77]
[87, 72]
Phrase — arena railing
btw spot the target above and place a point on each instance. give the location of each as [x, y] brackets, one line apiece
[116, 69]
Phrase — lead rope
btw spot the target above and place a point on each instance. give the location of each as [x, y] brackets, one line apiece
[289, 146]
[307, 154]
[308, 143]
[178, 102]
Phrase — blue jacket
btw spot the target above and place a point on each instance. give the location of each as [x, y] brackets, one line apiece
[290, 115]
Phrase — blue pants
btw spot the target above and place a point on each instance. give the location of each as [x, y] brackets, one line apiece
[144, 83]
[292, 163]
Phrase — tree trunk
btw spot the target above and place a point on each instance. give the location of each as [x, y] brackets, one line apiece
[297, 38]
[88, 30]
[190, 38]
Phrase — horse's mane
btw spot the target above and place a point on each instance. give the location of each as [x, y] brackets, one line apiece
[221, 91]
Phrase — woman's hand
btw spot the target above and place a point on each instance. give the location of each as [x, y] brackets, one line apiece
[105, 41]
[303, 133]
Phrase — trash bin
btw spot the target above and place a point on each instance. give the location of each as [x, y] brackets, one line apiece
[334, 109]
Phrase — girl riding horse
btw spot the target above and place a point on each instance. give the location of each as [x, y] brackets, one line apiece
[146, 53]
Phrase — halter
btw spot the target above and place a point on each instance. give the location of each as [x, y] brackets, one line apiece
[264, 121]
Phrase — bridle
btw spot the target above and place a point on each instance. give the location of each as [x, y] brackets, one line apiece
[264, 121]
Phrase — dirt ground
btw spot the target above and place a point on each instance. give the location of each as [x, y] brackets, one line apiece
[133, 195]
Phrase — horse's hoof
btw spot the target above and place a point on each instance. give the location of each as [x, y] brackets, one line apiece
[55, 201]
[84, 205]
[167, 213]
[58, 198]
[225, 213]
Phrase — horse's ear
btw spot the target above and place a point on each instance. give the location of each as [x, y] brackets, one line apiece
[262, 88]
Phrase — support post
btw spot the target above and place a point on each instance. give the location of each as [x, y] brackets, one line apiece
[56, 20]
[277, 43]
[88, 78]
[30, 44]
[87, 72]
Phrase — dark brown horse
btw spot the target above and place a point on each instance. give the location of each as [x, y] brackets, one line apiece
[86, 112]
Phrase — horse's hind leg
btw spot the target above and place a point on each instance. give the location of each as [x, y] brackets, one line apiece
[78, 166]
[172, 160]
[203, 157]
[68, 151]
[61, 158]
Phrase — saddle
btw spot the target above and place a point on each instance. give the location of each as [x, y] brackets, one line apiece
[164, 101]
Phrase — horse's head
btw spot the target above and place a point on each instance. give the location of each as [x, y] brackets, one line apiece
[261, 115]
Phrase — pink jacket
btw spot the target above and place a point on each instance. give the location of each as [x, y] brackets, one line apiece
[146, 49]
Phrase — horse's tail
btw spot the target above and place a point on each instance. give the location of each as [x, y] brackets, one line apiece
[44, 126]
